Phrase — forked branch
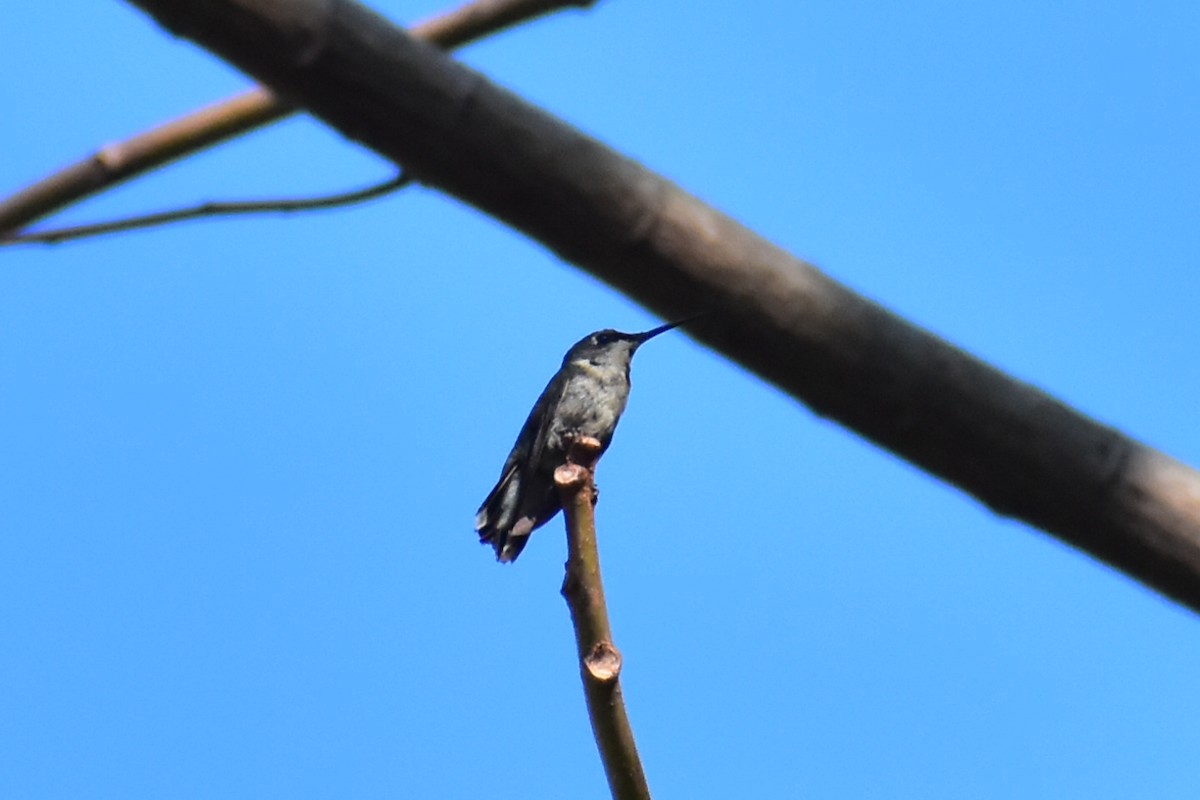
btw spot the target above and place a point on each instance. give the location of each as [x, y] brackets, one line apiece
[120, 161]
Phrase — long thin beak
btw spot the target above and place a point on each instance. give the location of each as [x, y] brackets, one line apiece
[642, 338]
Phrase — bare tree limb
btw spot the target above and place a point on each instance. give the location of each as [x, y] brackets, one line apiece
[599, 659]
[1016, 449]
[120, 161]
[223, 209]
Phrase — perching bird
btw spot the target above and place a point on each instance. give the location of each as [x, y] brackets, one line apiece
[584, 398]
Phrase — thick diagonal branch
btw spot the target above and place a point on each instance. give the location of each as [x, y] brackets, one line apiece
[599, 659]
[1015, 448]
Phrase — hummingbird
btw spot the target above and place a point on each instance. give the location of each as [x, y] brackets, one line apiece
[584, 398]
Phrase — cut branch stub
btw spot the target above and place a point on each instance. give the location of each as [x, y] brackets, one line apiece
[603, 662]
[571, 477]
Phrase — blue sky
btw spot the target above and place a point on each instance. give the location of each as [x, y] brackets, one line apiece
[239, 459]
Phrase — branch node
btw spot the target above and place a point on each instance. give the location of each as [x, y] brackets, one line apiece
[110, 157]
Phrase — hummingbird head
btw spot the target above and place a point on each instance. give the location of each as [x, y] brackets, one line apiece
[609, 348]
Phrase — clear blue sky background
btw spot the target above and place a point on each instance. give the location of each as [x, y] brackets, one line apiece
[239, 459]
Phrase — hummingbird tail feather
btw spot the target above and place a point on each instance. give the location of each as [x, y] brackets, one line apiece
[510, 545]
[493, 521]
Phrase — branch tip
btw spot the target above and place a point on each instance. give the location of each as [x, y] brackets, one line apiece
[584, 451]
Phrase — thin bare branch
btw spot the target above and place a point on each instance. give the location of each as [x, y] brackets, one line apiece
[1015, 448]
[120, 161]
[599, 658]
[214, 209]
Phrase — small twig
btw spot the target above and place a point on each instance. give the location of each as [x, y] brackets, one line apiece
[599, 659]
[120, 161]
[56, 235]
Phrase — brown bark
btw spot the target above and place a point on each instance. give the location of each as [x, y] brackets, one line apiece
[213, 124]
[599, 659]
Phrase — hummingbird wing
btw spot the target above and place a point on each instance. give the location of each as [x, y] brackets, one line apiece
[524, 498]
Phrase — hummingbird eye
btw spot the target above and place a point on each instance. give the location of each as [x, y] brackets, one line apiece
[603, 338]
